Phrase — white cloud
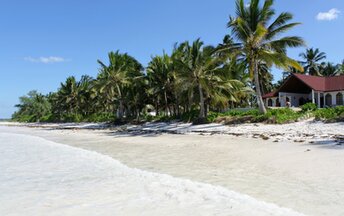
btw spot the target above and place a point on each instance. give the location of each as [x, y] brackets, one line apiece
[328, 16]
[45, 60]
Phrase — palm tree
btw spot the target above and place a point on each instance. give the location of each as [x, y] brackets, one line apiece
[340, 68]
[160, 77]
[86, 95]
[258, 39]
[266, 79]
[67, 95]
[311, 63]
[328, 69]
[114, 78]
[199, 73]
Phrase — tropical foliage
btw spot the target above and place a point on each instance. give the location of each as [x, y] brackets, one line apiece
[194, 82]
[314, 64]
[258, 42]
[33, 107]
[312, 59]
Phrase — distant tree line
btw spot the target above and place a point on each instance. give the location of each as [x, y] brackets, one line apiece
[191, 81]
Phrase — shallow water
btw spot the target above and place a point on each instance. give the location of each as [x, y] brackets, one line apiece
[40, 177]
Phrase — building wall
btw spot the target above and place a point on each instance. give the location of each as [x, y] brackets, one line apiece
[273, 101]
[334, 96]
[295, 98]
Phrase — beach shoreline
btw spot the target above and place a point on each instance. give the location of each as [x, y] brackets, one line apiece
[302, 131]
[304, 176]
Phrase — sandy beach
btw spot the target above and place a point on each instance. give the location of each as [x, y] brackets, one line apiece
[297, 170]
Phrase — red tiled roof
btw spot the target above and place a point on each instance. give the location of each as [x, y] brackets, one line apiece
[335, 83]
[270, 95]
[323, 84]
[314, 82]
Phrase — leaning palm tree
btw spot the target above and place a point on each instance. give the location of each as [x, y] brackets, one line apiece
[258, 40]
[113, 79]
[311, 63]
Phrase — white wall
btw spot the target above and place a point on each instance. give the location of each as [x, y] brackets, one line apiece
[334, 94]
[273, 101]
[294, 98]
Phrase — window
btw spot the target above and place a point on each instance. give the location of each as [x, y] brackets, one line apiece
[328, 100]
[270, 102]
[339, 99]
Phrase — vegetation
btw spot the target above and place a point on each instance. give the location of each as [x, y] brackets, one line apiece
[309, 107]
[33, 107]
[273, 116]
[330, 114]
[314, 65]
[195, 82]
[258, 42]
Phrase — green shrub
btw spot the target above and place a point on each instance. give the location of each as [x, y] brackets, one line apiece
[189, 116]
[330, 114]
[284, 115]
[325, 114]
[212, 116]
[100, 117]
[260, 118]
[72, 117]
[309, 107]
[24, 118]
[339, 110]
[48, 118]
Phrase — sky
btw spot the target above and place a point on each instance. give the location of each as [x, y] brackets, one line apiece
[43, 42]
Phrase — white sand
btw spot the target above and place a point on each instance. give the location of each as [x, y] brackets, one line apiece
[308, 130]
[40, 177]
[306, 177]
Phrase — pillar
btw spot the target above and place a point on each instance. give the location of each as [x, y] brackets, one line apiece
[319, 100]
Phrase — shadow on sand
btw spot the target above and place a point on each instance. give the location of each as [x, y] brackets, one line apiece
[328, 144]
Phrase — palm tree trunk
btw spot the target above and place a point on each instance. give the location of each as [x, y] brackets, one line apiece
[201, 102]
[156, 108]
[166, 104]
[260, 101]
[121, 105]
[120, 109]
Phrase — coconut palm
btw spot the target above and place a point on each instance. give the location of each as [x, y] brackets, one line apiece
[328, 69]
[258, 41]
[67, 95]
[160, 77]
[86, 95]
[198, 73]
[114, 78]
[340, 68]
[311, 63]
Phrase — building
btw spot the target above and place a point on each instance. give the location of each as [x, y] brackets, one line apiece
[299, 89]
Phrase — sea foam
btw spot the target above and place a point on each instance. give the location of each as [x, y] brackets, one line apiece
[40, 177]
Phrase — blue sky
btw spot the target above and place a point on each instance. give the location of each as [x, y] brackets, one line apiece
[43, 42]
